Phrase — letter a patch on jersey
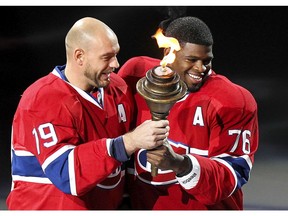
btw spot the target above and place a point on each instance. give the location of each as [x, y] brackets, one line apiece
[122, 113]
[198, 117]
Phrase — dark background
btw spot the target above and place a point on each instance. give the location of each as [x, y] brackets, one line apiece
[250, 47]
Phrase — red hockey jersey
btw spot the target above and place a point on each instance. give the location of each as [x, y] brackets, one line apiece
[60, 146]
[217, 126]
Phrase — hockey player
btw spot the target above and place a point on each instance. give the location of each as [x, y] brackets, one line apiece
[68, 147]
[213, 131]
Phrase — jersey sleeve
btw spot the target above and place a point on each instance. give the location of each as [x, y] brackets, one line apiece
[232, 144]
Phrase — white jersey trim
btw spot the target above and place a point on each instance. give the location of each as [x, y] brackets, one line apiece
[115, 185]
[245, 157]
[72, 178]
[55, 155]
[108, 144]
[248, 160]
[199, 151]
[31, 179]
[190, 180]
[22, 153]
[80, 91]
[230, 168]
[173, 181]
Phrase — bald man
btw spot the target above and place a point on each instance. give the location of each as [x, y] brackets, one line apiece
[70, 135]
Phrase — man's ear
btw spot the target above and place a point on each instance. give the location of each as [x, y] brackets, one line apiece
[79, 56]
[166, 51]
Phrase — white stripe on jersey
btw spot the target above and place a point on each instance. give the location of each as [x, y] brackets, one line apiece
[245, 157]
[55, 155]
[71, 170]
[31, 179]
[112, 186]
[248, 160]
[108, 144]
[230, 168]
[23, 153]
[173, 181]
[199, 151]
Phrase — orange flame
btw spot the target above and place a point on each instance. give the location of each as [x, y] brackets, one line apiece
[165, 42]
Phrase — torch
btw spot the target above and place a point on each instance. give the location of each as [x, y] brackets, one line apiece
[162, 87]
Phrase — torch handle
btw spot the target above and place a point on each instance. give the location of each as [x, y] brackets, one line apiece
[156, 117]
[154, 170]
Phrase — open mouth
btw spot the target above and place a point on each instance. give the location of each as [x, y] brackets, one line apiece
[197, 78]
[105, 76]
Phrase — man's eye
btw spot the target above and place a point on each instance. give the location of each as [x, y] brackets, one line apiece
[106, 58]
[191, 60]
[206, 63]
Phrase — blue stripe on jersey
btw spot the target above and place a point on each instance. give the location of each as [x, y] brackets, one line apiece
[58, 172]
[241, 168]
[26, 166]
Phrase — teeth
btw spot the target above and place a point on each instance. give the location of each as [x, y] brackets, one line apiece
[195, 77]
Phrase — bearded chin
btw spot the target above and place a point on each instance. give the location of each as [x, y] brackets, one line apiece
[196, 88]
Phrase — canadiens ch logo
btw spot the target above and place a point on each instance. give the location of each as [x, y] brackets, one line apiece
[164, 177]
[112, 180]
[143, 170]
[144, 165]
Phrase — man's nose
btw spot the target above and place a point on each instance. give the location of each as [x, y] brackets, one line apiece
[199, 67]
[114, 63]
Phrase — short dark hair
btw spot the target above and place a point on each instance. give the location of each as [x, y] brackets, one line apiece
[190, 29]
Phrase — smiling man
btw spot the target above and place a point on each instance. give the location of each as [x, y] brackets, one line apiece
[213, 131]
[67, 149]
